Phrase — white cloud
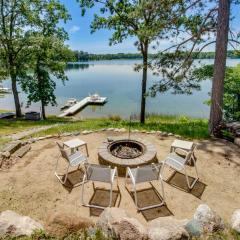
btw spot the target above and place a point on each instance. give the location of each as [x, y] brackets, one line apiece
[74, 29]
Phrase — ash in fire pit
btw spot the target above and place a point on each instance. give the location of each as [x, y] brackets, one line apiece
[126, 149]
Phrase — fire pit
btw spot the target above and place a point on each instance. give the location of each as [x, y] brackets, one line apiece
[123, 153]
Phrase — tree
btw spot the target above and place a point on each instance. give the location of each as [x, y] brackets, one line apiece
[201, 27]
[231, 97]
[148, 21]
[48, 55]
[219, 64]
[14, 40]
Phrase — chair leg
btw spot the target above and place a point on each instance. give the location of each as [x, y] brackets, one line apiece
[135, 195]
[187, 179]
[163, 192]
[59, 176]
[111, 191]
[82, 192]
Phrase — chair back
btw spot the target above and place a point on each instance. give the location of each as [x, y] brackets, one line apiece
[98, 173]
[188, 157]
[63, 152]
[148, 173]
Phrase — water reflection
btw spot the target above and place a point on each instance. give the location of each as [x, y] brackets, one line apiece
[77, 66]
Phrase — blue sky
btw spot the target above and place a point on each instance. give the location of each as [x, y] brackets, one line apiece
[80, 37]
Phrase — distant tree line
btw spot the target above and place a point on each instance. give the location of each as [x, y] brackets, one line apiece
[82, 56]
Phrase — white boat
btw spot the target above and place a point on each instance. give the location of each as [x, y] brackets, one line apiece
[70, 102]
[95, 98]
[5, 89]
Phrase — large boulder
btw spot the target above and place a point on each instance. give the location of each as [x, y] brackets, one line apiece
[235, 220]
[167, 228]
[15, 225]
[116, 222]
[60, 223]
[208, 219]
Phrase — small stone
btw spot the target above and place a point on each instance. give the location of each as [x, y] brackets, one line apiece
[237, 141]
[40, 138]
[177, 136]
[170, 134]
[76, 133]
[153, 132]
[122, 130]
[22, 151]
[164, 134]
[49, 136]
[6, 154]
[13, 147]
[85, 132]
[235, 220]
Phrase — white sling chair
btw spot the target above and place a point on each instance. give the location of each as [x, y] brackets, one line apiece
[144, 174]
[179, 163]
[99, 173]
[73, 160]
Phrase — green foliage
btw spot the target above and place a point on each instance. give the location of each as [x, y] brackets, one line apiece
[231, 99]
[82, 56]
[86, 234]
[48, 56]
[149, 22]
[227, 234]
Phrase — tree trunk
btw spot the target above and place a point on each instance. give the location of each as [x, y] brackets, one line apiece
[15, 94]
[144, 83]
[43, 111]
[216, 112]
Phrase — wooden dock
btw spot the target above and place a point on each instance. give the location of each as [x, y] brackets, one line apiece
[82, 104]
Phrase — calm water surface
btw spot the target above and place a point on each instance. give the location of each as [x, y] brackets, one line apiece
[117, 81]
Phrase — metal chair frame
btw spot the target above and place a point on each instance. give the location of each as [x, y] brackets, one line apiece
[189, 155]
[113, 173]
[129, 174]
[64, 154]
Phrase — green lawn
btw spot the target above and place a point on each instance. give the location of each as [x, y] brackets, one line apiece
[187, 127]
[184, 126]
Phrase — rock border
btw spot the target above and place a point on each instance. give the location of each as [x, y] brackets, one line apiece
[106, 158]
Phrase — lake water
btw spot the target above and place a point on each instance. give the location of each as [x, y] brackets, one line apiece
[117, 81]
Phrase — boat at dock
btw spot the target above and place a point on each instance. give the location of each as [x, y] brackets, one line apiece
[70, 102]
[5, 89]
[94, 99]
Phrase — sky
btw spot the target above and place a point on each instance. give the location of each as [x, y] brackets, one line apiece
[80, 37]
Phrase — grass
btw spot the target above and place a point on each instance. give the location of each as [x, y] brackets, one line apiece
[10, 126]
[187, 127]
[96, 234]
[90, 234]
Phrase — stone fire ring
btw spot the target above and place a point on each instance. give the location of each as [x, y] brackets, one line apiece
[105, 157]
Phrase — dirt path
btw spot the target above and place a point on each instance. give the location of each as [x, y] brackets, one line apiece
[25, 133]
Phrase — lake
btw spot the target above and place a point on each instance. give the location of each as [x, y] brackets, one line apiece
[117, 81]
